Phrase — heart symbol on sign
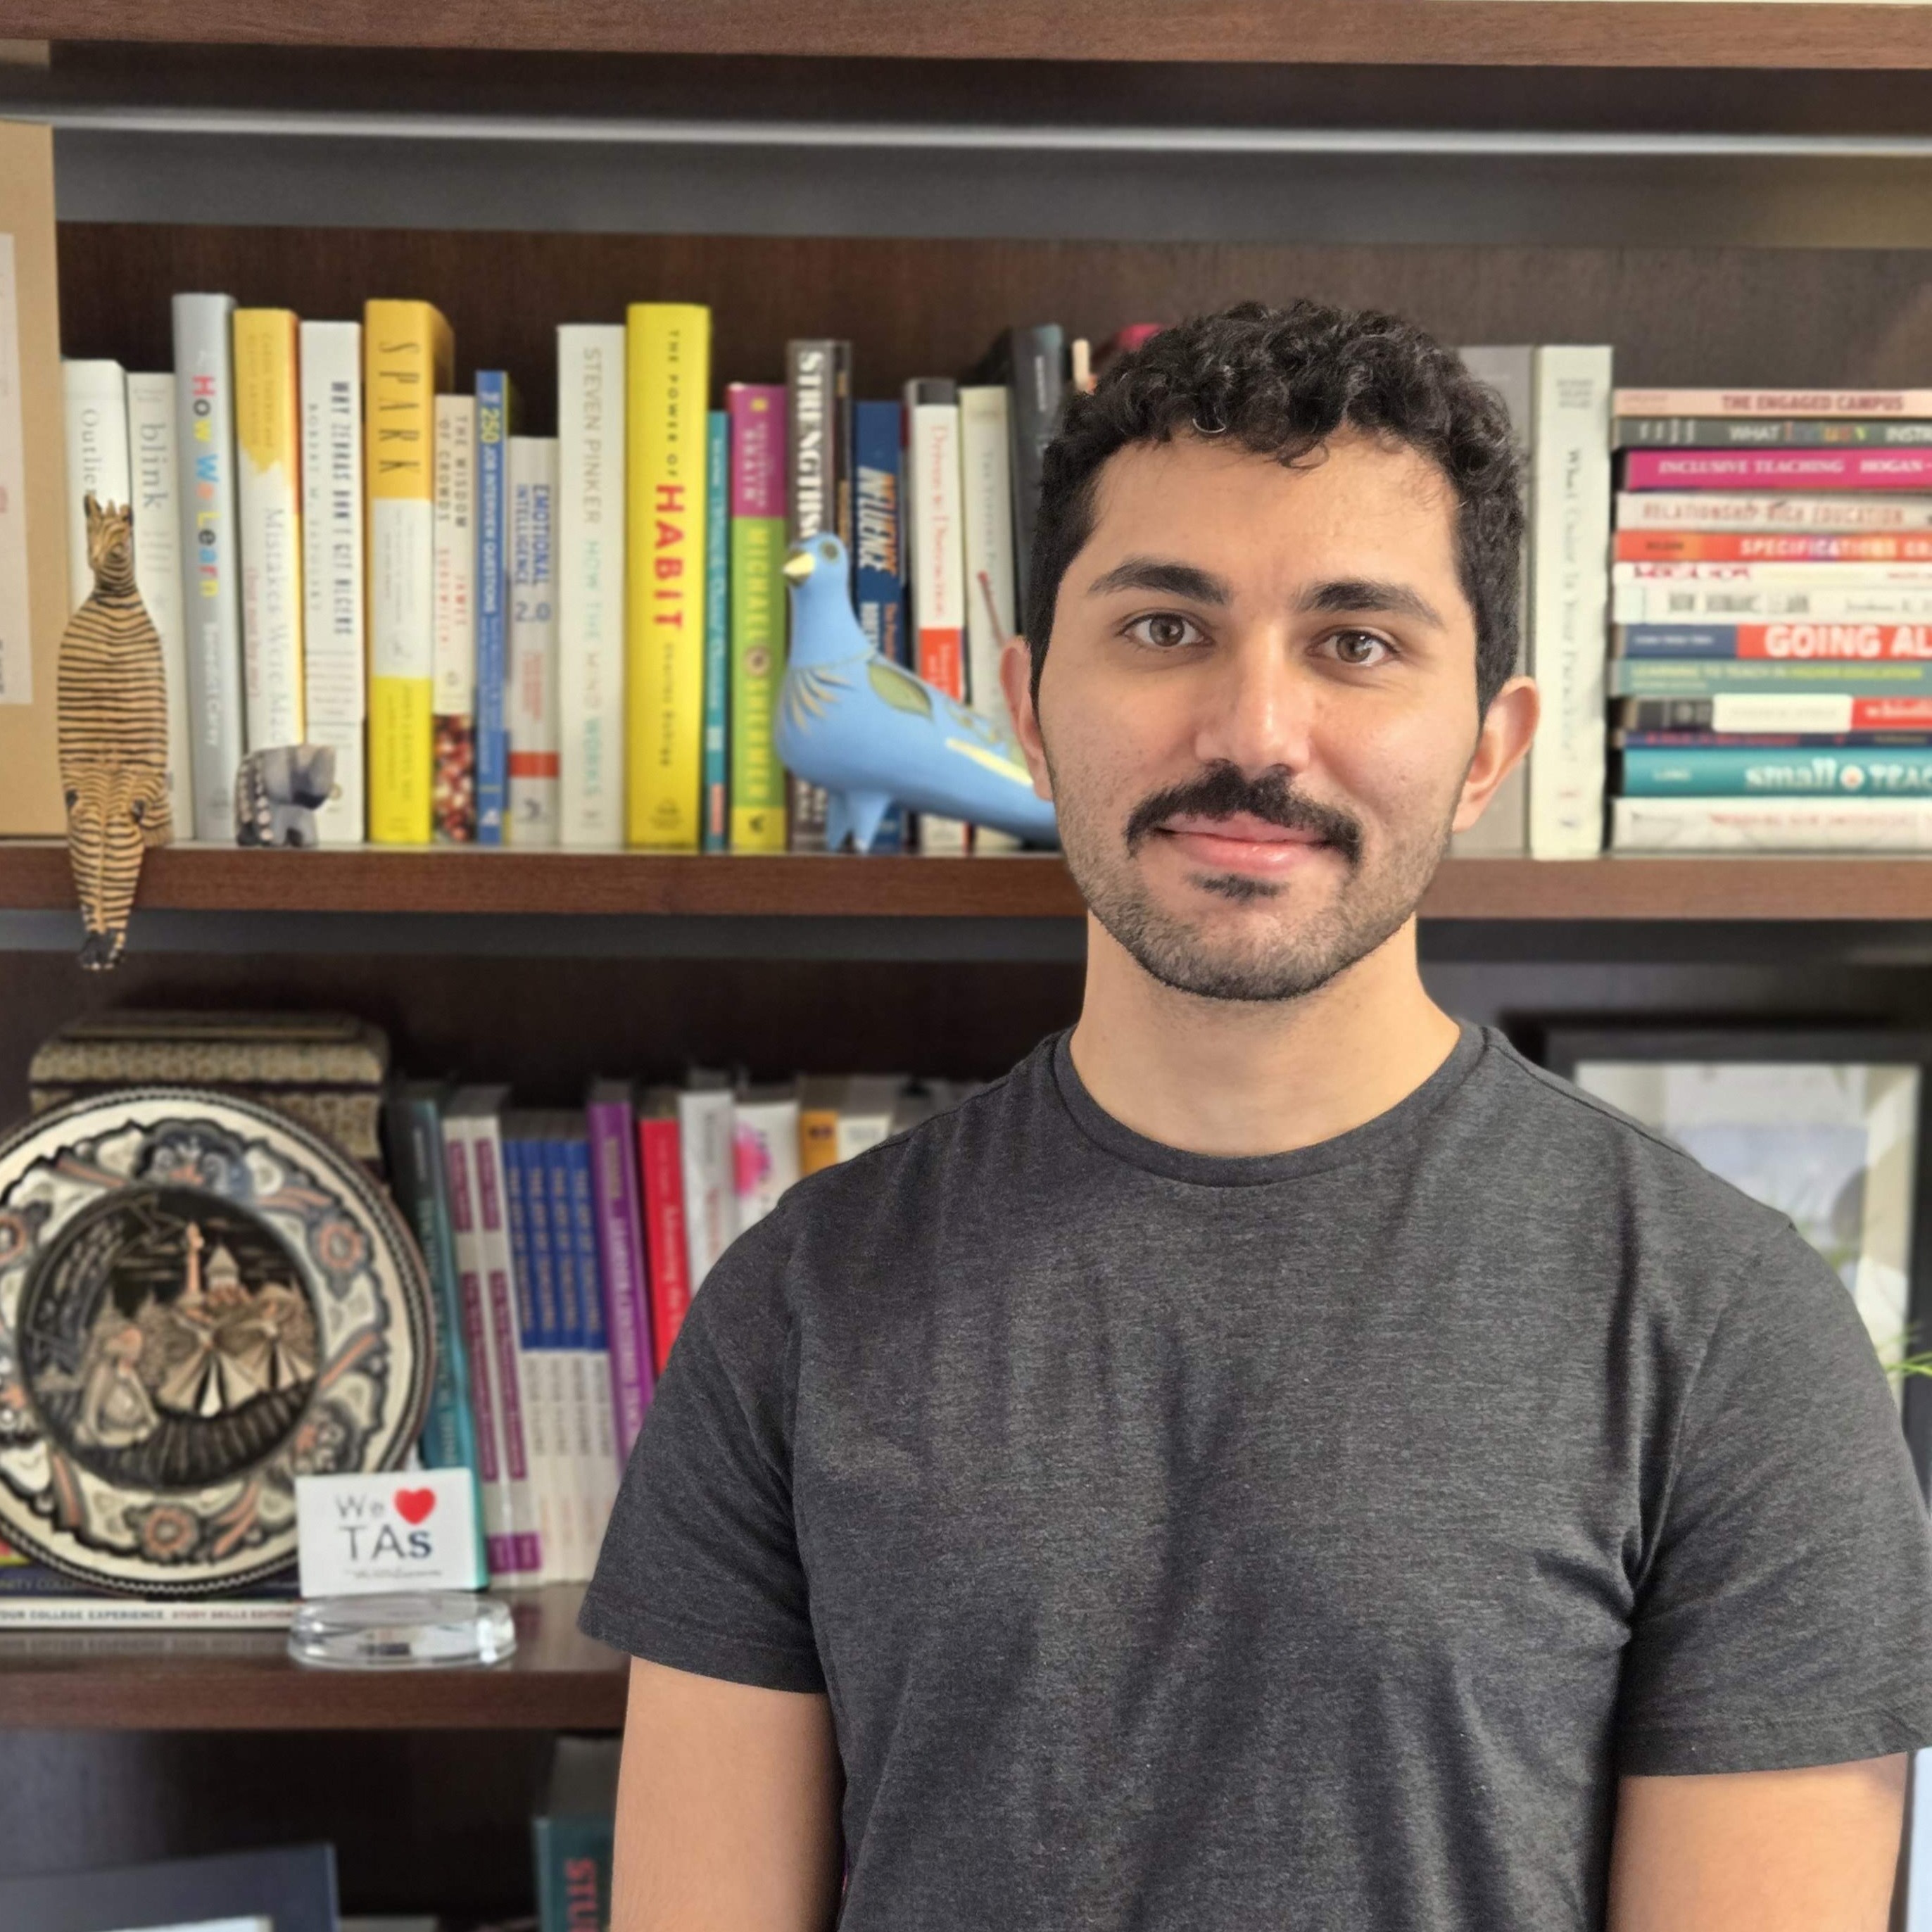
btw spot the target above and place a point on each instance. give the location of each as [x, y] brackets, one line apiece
[413, 1505]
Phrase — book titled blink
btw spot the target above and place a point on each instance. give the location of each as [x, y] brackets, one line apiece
[205, 429]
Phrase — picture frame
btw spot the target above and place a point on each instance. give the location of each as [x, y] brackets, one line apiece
[289, 1889]
[1831, 1125]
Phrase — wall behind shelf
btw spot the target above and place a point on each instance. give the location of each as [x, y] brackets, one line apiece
[1730, 316]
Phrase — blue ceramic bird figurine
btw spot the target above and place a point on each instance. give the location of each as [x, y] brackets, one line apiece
[870, 732]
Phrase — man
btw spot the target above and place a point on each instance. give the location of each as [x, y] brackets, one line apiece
[1277, 1459]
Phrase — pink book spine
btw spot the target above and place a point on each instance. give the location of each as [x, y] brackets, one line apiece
[499, 1546]
[758, 449]
[1777, 469]
[528, 1556]
[620, 1243]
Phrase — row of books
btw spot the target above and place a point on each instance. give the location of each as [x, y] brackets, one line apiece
[572, 640]
[563, 1247]
[1771, 670]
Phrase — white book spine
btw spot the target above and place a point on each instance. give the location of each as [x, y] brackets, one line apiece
[938, 556]
[143, 1613]
[986, 507]
[1771, 825]
[764, 1156]
[1874, 513]
[1704, 604]
[96, 396]
[1503, 830]
[519, 1403]
[334, 567]
[1815, 576]
[211, 573]
[705, 1123]
[590, 585]
[499, 1526]
[267, 496]
[1570, 520]
[154, 456]
[531, 685]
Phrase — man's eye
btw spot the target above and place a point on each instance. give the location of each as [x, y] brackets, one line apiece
[1165, 631]
[1359, 649]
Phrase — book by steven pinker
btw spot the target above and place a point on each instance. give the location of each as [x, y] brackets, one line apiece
[397, 1529]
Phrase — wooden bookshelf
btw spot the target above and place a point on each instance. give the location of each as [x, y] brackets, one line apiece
[215, 1681]
[33, 877]
[1744, 33]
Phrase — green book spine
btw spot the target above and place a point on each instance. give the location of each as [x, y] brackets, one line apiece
[420, 1184]
[757, 411]
[573, 1860]
[717, 830]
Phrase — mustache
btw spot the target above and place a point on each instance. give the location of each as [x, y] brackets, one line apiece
[1224, 790]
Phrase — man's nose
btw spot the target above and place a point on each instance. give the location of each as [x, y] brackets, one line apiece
[1257, 707]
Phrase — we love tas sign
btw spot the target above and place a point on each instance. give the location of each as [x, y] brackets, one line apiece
[412, 1529]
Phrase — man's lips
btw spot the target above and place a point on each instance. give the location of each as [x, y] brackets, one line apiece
[1242, 843]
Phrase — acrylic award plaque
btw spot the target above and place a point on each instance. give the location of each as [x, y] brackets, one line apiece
[200, 1299]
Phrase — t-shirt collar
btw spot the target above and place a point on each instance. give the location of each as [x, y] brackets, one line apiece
[1207, 1170]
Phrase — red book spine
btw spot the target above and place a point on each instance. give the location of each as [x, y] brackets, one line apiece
[1779, 469]
[660, 1163]
[1656, 546]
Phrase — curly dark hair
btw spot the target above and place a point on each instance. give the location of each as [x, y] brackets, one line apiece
[1281, 382]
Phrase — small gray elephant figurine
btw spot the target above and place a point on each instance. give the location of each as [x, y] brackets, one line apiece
[278, 791]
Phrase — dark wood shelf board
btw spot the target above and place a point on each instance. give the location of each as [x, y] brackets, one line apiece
[1744, 33]
[214, 1680]
[371, 881]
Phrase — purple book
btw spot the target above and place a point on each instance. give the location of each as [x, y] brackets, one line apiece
[620, 1248]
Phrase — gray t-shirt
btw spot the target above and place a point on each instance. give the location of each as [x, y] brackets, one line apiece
[1302, 1540]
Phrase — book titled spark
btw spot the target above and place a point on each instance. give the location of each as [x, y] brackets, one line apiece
[334, 633]
[757, 411]
[211, 580]
[668, 354]
[408, 359]
[453, 786]
[590, 584]
[531, 688]
[268, 475]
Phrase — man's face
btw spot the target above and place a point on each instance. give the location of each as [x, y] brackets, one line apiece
[1258, 712]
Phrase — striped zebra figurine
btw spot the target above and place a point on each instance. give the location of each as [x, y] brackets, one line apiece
[112, 722]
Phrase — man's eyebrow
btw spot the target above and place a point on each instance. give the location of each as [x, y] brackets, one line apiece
[1164, 575]
[1344, 594]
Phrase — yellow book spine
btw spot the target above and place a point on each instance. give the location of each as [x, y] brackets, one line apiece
[668, 348]
[268, 507]
[409, 358]
[817, 1138]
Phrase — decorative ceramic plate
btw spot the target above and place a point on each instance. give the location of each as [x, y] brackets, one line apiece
[200, 1300]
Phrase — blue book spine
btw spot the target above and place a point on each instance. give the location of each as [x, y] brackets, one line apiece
[879, 576]
[1716, 773]
[1678, 640]
[583, 1232]
[717, 828]
[562, 1243]
[494, 409]
[516, 1185]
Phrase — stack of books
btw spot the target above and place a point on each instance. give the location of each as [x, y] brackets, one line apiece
[1772, 682]
[574, 640]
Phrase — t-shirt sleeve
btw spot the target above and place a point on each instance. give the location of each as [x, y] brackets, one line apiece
[1784, 1617]
[699, 1568]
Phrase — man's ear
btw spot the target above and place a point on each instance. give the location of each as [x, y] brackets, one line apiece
[1507, 727]
[1016, 678]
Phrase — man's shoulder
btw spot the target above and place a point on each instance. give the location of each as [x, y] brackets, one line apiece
[1550, 1135]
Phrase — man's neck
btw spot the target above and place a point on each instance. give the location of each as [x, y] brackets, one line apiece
[1248, 1077]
